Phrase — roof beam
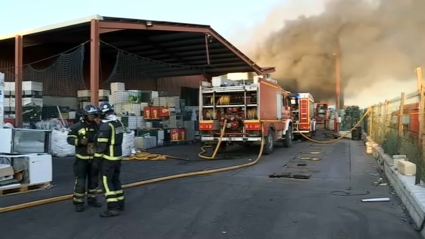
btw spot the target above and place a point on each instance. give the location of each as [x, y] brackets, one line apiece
[164, 50]
[117, 26]
[156, 26]
[154, 53]
[180, 36]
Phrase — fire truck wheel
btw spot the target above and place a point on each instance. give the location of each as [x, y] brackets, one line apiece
[269, 144]
[287, 142]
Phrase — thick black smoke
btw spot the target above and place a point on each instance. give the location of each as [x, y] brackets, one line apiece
[380, 40]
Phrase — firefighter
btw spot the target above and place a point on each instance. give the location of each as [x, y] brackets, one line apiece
[83, 136]
[109, 152]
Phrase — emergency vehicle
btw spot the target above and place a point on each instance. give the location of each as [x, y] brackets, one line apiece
[245, 105]
[303, 114]
[321, 113]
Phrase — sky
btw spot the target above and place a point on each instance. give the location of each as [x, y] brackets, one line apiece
[226, 16]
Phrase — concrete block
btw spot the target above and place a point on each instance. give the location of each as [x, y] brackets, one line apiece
[406, 167]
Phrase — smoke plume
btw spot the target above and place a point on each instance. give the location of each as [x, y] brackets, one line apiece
[381, 42]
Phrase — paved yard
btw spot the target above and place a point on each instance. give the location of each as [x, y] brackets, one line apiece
[237, 204]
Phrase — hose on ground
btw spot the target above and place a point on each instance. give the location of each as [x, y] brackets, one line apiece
[340, 137]
[203, 150]
[144, 156]
[140, 183]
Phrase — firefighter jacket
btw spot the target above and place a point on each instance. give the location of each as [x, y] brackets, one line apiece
[82, 130]
[110, 138]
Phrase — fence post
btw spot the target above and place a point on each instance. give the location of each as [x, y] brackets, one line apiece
[380, 122]
[386, 119]
[400, 121]
[372, 122]
[421, 126]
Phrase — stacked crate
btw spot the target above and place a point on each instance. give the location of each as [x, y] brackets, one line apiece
[126, 105]
[32, 100]
[84, 97]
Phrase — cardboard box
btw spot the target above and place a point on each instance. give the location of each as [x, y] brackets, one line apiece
[6, 170]
[154, 112]
[177, 134]
[146, 112]
[164, 112]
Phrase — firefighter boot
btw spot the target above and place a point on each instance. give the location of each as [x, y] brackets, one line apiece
[121, 206]
[109, 213]
[79, 207]
[94, 203]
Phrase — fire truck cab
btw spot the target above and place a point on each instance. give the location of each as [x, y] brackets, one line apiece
[303, 114]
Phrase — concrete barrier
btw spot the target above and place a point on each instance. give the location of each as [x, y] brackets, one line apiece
[412, 196]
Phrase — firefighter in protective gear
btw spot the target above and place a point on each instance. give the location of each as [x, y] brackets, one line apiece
[83, 136]
[109, 152]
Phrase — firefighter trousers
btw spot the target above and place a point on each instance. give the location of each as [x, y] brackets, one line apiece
[86, 176]
[110, 172]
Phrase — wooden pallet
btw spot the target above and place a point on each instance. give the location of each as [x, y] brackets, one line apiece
[24, 188]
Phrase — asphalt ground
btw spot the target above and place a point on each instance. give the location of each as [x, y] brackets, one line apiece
[244, 203]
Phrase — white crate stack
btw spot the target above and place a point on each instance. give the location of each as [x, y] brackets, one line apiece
[145, 142]
[84, 97]
[32, 94]
[159, 101]
[118, 93]
[133, 109]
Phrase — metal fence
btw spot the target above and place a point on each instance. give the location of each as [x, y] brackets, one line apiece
[397, 125]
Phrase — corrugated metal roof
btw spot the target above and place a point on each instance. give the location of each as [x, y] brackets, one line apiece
[232, 61]
[52, 27]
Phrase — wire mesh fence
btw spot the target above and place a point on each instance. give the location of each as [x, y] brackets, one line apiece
[395, 125]
[50, 84]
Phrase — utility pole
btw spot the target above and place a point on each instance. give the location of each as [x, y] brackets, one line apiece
[337, 55]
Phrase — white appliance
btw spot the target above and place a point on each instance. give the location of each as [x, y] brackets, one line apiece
[221, 81]
[24, 141]
[37, 167]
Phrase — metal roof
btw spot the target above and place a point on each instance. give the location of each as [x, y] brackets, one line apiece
[177, 44]
[51, 27]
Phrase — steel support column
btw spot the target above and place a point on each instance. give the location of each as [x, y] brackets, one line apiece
[18, 79]
[207, 51]
[94, 61]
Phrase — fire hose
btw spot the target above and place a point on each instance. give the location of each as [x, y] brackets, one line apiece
[340, 137]
[144, 182]
[223, 129]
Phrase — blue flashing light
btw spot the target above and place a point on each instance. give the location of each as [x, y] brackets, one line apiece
[297, 96]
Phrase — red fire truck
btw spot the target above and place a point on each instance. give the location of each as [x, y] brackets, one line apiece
[245, 106]
[303, 114]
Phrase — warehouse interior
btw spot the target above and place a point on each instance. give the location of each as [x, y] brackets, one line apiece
[77, 62]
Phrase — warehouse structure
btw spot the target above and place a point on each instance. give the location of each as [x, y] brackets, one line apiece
[87, 53]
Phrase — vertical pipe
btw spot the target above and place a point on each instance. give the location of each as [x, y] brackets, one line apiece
[18, 79]
[338, 75]
[337, 83]
[206, 48]
[400, 121]
[421, 125]
[94, 61]
[379, 123]
[387, 118]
